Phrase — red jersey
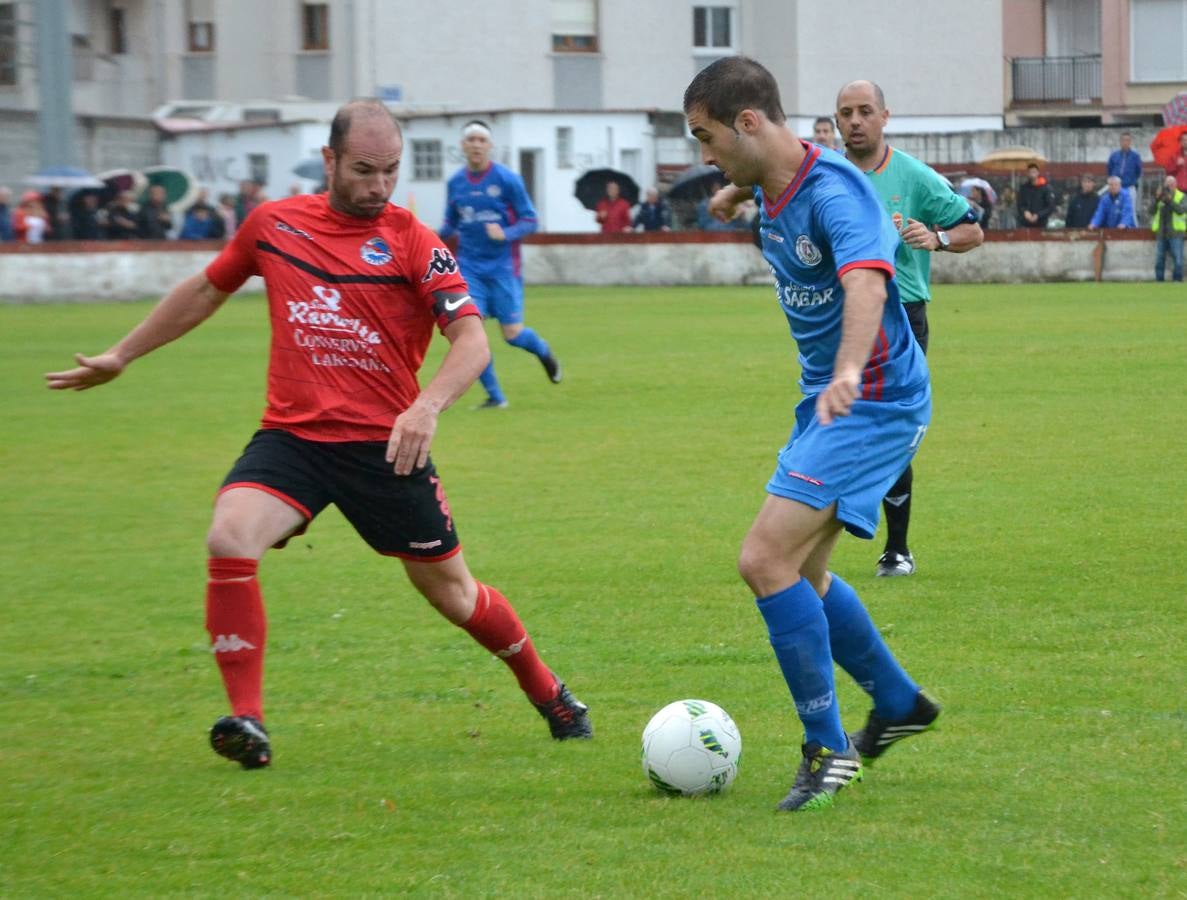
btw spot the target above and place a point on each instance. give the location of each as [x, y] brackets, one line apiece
[352, 309]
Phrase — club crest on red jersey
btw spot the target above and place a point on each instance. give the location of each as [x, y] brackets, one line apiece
[442, 263]
[375, 252]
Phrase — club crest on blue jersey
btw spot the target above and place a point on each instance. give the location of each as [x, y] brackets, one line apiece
[494, 190]
[375, 252]
[808, 253]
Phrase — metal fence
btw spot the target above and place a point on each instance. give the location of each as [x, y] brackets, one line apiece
[1056, 79]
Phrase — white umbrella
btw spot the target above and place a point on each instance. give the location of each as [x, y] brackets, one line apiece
[63, 177]
[967, 185]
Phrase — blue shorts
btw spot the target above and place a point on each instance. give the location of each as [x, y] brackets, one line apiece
[854, 461]
[497, 296]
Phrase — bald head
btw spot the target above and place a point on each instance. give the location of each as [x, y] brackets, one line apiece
[364, 111]
[865, 89]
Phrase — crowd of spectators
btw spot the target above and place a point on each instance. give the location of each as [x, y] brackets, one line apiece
[90, 215]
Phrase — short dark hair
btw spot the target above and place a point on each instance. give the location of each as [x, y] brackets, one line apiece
[344, 118]
[732, 84]
[1033, 165]
[819, 119]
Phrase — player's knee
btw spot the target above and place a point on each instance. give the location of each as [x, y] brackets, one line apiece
[453, 597]
[225, 539]
[753, 564]
[511, 333]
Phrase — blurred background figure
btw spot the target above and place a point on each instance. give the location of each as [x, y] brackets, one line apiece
[1126, 164]
[613, 211]
[30, 223]
[154, 221]
[121, 217]
[653, 213]
[1168, 221]
[1082, 206]
[226, 212]
[5, 214]
[85, 216]
[1036, 200]
[202, 221]
[1115, 208]
[823, 133]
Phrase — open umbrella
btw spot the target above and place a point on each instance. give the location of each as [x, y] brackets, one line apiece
[116, 181]
[313, 169]
[68, 177]
[591, 187]
[1175, 112]
[1165, 146]
[696, 183]
[1012, 159]
[967, 185]
[180, 188]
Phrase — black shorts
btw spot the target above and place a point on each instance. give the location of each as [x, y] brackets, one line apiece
[398, 515]
[917, 315]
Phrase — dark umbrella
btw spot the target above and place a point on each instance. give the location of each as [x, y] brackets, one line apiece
[591, 187]
[696, 183]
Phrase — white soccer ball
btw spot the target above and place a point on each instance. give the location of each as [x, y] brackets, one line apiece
[691, 747]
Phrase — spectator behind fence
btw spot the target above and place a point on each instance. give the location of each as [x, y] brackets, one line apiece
[250, 196]
[981, 204]
[1115, 208]
[1168, 216]
[613, 211]
[121, 218]
[1036, 200]
[226, 212]
[1178, 167]
[6, 214]
[57, 215]
[154, 221]
[1007, 210]
[30, 224]
[1126, 164]
[85, 216]
[653, 213]
[202, 221]
[823, 132]
[1082, 206]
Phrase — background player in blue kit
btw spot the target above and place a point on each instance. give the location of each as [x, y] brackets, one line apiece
[488, 208]
[866, 406]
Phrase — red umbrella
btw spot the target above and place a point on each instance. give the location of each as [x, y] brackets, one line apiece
[1175, 112]
[1165, 146]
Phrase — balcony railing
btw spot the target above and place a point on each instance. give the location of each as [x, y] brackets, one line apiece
[1056, 79]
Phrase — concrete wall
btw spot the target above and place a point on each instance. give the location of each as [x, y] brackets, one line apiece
[88, 272]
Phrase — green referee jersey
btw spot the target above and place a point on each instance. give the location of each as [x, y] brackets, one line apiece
[910, 189]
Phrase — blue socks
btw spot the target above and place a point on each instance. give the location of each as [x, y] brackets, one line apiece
[530, 341]
[799, 634]
[859, 649]
[490, 382]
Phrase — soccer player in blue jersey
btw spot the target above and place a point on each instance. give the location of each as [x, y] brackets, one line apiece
[866, 406]
[931, 218]
[488, 208]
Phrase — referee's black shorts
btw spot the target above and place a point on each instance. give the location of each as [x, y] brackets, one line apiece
[398, 515]
[917, 315]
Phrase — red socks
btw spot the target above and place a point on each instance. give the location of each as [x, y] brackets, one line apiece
[496, 627]
[237, 625]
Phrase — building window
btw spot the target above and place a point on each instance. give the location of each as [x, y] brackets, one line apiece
[1158, 40]
[257, 167]
[315, 26]
[8, 45]
[564, 148]
[118, 28]
[712, 27]
[200, 26]
[426, 160]
[575, 26]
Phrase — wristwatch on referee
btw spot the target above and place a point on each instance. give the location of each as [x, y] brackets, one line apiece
[945, 241]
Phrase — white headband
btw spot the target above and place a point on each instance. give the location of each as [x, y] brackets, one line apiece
[476, 128]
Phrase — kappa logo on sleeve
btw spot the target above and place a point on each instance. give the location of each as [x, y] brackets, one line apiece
[442, 263]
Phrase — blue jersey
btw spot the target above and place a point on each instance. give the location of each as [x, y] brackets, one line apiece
[828, 221]
[474, 199]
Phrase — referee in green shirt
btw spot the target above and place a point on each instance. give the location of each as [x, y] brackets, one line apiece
[931, 218]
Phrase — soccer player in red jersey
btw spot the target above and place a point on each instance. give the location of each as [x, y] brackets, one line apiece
[355, 286]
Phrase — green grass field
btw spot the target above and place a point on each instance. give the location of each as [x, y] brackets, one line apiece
[1047, 616]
